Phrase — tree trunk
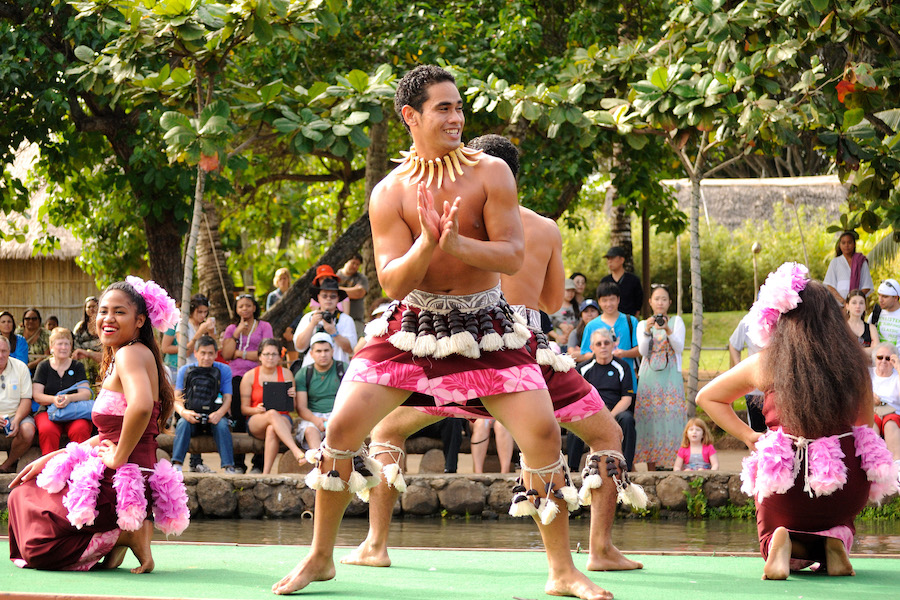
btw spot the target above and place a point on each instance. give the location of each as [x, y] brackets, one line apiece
[190, 251]
[212, 271]
[377, 165]
[620, 234]
[164, 250]
[297, 297]
[696, 290]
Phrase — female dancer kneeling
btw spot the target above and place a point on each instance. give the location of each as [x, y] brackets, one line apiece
[820, 461]
[87, 502]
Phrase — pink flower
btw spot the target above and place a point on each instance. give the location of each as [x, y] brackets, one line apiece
[775, 464]
[827, 471]
[84, 486]
[749, 466]
[131, 502]
[170, 509]
[161, 308]
[778, 295]
[58, 469]
[877, 461]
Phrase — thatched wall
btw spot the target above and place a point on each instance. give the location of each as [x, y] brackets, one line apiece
[731, 202]
[54, 287]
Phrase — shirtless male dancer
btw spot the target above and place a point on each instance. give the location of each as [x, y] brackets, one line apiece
[538, 284]
[445, 264]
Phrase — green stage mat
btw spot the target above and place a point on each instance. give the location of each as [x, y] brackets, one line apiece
[236, 572]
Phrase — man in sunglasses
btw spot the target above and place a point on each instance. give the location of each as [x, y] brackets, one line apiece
[15, 406]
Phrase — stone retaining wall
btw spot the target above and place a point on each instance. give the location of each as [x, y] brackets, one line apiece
[286, 496]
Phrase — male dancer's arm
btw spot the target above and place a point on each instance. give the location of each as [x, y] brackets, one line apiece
[504, 249]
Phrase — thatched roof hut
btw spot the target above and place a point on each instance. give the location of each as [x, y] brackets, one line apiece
[53, 283]
[731, 202]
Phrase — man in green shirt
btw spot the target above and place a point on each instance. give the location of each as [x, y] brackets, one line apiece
[317, 385]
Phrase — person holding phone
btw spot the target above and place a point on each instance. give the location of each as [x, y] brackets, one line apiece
[271, 426]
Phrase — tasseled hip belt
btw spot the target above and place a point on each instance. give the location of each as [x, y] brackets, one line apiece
[438, 325]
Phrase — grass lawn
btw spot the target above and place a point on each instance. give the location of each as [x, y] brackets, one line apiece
[717, 328]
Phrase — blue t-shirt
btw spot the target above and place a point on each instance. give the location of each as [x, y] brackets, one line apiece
[224, 377]
[627, 336]
[21, 349]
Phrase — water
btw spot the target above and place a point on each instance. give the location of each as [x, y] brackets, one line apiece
[874, 537]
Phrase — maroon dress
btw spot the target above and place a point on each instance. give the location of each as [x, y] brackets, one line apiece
[40, 535]
[812, 519]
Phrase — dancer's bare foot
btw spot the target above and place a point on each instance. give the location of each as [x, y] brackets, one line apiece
[836, 560]
[368, 556]
[574, 583]
[611, 559]
[139, 544]
[114, 558]
[778, 564]
[308, 570]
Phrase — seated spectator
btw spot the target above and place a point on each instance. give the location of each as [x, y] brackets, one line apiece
[199, 325]
[59, 382]
[631, 293]
[855, 309]
[18, 347]
[565, 319]
[37, 338]
[612, 379]
[590, 310]
[51, 324]
[202, 401]
[327, 317]
[88, 348]
[15, 406]
[265, 424]
[282, 282]
[356, 285]
[317, 385]
[624, 326]
[580, 281]
[886, 387]
[481, 437]
[888, 318]
[697, 452]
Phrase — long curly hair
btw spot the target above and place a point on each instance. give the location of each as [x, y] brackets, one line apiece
[816, 367]
[146, 337]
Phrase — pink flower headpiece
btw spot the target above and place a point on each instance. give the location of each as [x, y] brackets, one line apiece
[161, 308]
[778, 295]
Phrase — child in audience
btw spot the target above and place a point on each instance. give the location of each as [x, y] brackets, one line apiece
[697, 452]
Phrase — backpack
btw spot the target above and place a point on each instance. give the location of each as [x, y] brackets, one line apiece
[201, 388]
[338, 367]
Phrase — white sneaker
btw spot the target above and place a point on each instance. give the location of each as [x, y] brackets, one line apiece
[178, 467]
[201, 468]
[230, 471]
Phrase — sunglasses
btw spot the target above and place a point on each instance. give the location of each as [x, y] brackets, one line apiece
[879, 357]
[603, 344]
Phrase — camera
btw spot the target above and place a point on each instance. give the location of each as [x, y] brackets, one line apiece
[327, 317]
[203, 419]
[660, 320]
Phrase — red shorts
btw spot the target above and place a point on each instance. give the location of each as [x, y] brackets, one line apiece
[880, 421]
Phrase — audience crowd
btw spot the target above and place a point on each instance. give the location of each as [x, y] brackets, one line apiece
[241, 379]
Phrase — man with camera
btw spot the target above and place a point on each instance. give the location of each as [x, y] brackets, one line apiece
[202, 399]
[327, 318]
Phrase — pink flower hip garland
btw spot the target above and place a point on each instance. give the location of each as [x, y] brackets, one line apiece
[80, 468]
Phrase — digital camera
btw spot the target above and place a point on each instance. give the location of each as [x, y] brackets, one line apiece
[327, 317]
[660, 320]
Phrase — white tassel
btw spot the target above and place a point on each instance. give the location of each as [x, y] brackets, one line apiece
[375, 468]
[512, 341]
[357, 483]
[312, 456]
[585, 496]
[548, 511]
[563, 363]
[363, 495]
[522, 331]
[464, 344]
[376, 328]
[444, 348]
[332, 484]
[589, 483]
[570, 495]
[491, 342]
[394, 477]
[312, 479]
[403, 340]
[634, 495]
[546, 356]
[522, 508]
[425, 345]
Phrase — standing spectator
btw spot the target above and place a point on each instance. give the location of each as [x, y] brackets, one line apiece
[481, 437]
[855, 308]
[630, 290]
[52, 323]
[661, 408]
[754, 398]
[612, 379]
[565, 319]
[202, 400]
[15, 406]
[18, 347]
[848, 270]
[37, 338]
[625, 326]
[59, 382]
[356, 286]
[282, 282]
[327, 317]
[317, 385]
[888, 321]
[241, 349]
[199, 325]
[87, 343]
[580, 281]
[590, 310]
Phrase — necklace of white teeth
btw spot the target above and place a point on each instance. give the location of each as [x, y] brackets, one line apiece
[415, 167]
